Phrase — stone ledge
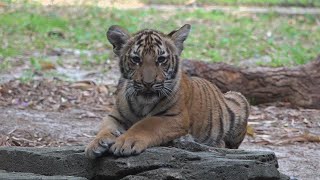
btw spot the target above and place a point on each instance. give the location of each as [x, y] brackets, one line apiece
[4, 175]
[190, 162]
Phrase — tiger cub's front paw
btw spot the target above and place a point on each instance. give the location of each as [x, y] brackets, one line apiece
[126, 146]
[100, 145]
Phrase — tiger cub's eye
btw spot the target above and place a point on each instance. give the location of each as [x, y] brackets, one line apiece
[161, 59]
[135, 59]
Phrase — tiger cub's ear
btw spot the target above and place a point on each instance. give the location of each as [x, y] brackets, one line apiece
[179, 36]
[117, 37]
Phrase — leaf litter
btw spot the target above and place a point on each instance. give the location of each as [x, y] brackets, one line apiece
[89, 99]
[293, 134]
[268, 125]
[55, 95]
[281, 125]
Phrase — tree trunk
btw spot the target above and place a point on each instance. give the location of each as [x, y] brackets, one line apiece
[298, 85]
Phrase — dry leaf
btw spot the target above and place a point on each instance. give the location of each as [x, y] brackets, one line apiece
[86, 93]
[2, 4]
[307, 122]
[4, 141]
[305, 137]
[112, 89]
[103, 89]
[88, 114]
[263, 142]
[83, 85]
[255, 117]
[250, 131]
[46, 65]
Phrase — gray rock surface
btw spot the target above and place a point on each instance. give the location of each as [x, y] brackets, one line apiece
[183, 161]
[4, 175]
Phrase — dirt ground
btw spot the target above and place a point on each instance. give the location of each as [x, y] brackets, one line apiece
[50, 111]
[58, 113]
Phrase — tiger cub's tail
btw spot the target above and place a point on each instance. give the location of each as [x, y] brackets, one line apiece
[239, 109]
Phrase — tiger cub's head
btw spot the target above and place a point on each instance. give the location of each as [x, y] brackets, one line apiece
[149, 60]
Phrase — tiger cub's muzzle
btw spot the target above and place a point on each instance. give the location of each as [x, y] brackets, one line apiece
[148, 87]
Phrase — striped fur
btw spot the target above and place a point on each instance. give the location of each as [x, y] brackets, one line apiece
[156, 102]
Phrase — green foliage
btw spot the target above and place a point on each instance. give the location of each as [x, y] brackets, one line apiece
[215, 36]
[35, 63]
[5, 64]
[309, 3]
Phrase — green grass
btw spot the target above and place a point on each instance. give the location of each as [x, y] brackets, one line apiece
[215, 36]
[4, 65]
[303, 3]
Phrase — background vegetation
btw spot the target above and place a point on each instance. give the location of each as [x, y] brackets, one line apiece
[304, 3]
[28, 27]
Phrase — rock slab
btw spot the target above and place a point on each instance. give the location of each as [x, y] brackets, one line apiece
[182, 161]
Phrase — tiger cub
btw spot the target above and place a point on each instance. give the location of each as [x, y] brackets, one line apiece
[156, 102]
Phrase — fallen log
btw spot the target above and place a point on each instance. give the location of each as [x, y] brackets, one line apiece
[300, 85]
